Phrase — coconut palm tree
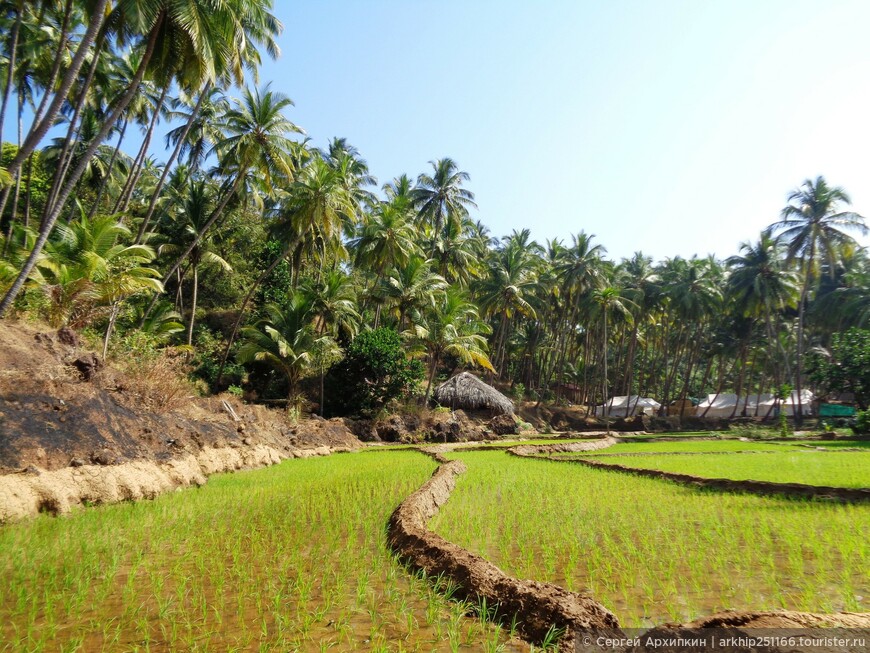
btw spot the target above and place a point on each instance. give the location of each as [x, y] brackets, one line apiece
[814, 230]
[86, 266]
[385, 241]
[172, 44]
[508, 284]
[452, 327]
[410, 290]
[332, 299]
[440, 196]
[284, 341]
[609, 301]
[195, 210]
[310, 212]
[256, 144]
[763, 286]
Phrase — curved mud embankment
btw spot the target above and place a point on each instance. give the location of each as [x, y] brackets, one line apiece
[539, 606]
[765, 488]
[25, 494]
[570, 447]
[788, 632]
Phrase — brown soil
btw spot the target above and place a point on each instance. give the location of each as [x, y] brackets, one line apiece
[74, 431]
[426, 425]
[570, 447]
[539, 606]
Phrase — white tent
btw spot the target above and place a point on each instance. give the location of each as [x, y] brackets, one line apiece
[627, 406]
[728, 404]
[790, 405]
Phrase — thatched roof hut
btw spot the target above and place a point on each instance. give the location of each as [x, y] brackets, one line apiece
[467, 392]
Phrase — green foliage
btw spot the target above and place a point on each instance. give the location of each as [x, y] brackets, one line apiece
[209, 349]
[848, 367]
[375, 371]
[861, 425]
[518, 391]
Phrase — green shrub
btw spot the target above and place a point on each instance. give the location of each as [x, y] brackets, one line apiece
[861, 425]
[374, 371]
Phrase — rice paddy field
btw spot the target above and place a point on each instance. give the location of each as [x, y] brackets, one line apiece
[831, 468]
[288, 558]
[703, 446]
[294, 557]
[654, 551]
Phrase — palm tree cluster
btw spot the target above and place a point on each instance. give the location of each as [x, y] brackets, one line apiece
[251, 247]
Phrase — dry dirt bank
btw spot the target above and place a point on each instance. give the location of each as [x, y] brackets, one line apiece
[25, 494]
[74, 431]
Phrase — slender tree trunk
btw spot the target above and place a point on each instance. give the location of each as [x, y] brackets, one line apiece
[432, 371]
[14, 212]
[105, 180]
[146, 144]
[73, 136]
[805, 291]
[10, 73]
[193, 298]
[53, 214]
[213, 218]
[28, 196]
[109, 328]
[41, 128]
[58, 60]
[152, 205]
[244, 305]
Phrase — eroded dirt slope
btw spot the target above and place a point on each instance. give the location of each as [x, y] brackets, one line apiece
[59, 406]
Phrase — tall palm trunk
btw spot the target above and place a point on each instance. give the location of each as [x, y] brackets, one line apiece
[13, 214]
[152, 205]
[193, 298]
[52, 215]
[436, 355]
[63, 37]
[105, 180]
[10, 73]
[244, 305]
[146, 144]
[67, 153]
[39, 129]
[215, 216]
[112, 317]
[805, 291]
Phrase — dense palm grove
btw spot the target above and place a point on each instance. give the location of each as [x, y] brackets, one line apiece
[261, 258]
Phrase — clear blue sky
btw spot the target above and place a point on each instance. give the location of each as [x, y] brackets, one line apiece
[675, 127]
[672, 127]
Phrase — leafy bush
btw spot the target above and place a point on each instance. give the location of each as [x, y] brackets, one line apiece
[374, 371]
[847, 369]
[861, 425]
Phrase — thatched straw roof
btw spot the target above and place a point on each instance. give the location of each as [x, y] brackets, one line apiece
[468, 392]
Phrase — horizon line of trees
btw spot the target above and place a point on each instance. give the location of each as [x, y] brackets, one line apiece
[265, 256]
